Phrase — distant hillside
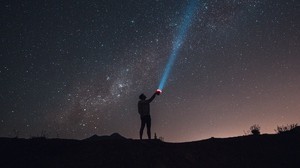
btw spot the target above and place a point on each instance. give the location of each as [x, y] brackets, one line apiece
[264, 151]
[114, 136]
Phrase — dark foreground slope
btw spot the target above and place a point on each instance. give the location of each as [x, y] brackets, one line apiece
[274, 151]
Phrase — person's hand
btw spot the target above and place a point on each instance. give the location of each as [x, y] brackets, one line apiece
[158, 92]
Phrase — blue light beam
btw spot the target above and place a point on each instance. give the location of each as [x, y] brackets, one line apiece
[178, 41]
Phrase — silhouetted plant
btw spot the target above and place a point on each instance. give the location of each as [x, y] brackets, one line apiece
[16, 133]
[161, 138]
[42, 136]
[287, 128]
[247, 132]
[255, 129]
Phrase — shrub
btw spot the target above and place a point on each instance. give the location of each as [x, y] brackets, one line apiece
[42, 136]
[16, 133]
[255, 129]
[247, 132]
[161, 138]
[287, 128]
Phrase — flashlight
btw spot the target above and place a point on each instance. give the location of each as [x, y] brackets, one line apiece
[158, 91]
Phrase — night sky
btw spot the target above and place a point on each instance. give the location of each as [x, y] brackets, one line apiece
[71, 69]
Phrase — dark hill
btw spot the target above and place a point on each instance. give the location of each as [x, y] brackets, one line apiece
[114, 136]
[280, 150]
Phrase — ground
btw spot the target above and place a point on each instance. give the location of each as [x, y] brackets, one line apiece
[278, 150]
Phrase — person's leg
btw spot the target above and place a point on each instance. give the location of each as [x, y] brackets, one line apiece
[142, 127]
[149, 127]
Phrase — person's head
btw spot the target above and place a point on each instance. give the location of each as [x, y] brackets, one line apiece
[142, 97]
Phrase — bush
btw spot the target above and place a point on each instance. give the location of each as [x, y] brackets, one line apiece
[255, 129]
[42, 136]
[287, 128]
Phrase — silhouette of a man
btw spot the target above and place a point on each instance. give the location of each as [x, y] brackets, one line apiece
[144, 111]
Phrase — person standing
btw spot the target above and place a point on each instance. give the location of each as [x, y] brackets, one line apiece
[144, 111]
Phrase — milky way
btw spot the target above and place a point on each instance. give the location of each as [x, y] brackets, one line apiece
[76, 69]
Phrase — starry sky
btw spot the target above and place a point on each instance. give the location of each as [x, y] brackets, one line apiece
[71, 69]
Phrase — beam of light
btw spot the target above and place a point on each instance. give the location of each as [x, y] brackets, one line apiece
[178, 41]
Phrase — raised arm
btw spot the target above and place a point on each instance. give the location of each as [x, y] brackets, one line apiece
[152, 97]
